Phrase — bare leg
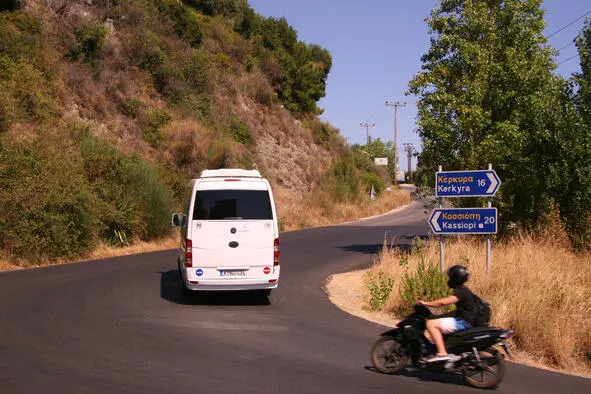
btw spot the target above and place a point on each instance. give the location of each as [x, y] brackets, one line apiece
[434, 328]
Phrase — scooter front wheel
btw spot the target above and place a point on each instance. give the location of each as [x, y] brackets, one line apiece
[387, 356]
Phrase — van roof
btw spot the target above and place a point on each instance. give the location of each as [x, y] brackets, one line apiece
[230, 172]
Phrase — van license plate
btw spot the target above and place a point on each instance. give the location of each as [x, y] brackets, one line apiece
[232, 273]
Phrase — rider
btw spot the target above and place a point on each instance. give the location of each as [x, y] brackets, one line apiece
[465, 314]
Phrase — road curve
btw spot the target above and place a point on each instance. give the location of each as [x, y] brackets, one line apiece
[121, 325]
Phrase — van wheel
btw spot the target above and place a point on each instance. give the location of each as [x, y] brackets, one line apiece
[265, 292]
[179, 271]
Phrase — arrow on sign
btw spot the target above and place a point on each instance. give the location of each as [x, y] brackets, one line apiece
[493, 182]
[464, 221]
[478, 183]
[433, 221]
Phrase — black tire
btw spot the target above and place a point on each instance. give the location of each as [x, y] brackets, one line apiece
[492, 373]
[265, 292]
[386, 357]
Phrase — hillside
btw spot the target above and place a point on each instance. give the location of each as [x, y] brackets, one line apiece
[108, 108]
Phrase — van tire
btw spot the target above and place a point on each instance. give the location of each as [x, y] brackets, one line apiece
[265, 292]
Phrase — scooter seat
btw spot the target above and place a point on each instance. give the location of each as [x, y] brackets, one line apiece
[472, 330]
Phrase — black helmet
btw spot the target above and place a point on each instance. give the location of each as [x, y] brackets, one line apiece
[457, 276]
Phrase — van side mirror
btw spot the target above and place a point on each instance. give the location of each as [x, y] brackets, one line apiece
[176, 221]
[184, 221]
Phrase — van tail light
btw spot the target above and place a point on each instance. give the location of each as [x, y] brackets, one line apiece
[276, 252]
[189, 253]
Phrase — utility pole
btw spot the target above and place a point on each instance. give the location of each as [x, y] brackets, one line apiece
[367, 126]
[409, 150]
[395, 105]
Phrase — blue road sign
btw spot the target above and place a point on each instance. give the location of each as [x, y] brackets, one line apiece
[479, 183]
[464, 221]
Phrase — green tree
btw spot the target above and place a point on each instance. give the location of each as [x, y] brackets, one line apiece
[488, 95]
[572, 165]
[378, 148]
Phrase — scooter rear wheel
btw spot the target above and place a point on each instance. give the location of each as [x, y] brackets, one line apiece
[386, 355]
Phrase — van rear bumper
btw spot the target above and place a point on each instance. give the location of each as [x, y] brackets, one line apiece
[228, 285]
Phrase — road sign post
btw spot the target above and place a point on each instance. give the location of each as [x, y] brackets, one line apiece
[455, 221]
[441, 245]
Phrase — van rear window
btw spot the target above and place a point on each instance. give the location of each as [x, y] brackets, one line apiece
[232, 205]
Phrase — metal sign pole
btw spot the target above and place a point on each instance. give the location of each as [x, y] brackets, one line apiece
[489, 237]
[441, 248]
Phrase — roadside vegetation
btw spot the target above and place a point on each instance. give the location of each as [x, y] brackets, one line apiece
[107, 109]
[538, 286]
[487, 94]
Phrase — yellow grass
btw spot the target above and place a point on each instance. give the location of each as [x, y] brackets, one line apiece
[318, 209]
[537, 287]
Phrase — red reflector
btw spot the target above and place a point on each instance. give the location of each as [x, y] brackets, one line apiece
[267, 270]
[189, 253]
[276, 252]
[194, 282]
[272, 280]
[231, 180]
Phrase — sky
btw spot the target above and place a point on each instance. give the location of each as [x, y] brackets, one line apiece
[376, 46]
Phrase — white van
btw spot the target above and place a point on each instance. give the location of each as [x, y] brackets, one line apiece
[229, 233]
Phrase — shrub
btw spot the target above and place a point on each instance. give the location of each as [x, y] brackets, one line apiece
[346, 179]
[239, 131]
[245, 162]
[380, 286]
[130, 107]
[219, 153]
[91, 39]
[426, 283]
[195, 72]
[223, 62]
[46, 208]
[186, 24]
[20, 34]
[134, 202]
[370, 179]
[155, 120]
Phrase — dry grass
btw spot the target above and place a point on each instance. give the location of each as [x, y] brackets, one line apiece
[537, 287]
[318, 209]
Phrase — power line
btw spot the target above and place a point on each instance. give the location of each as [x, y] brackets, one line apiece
[570, 58]
[566, 46]
[367, 126]
[568, 24]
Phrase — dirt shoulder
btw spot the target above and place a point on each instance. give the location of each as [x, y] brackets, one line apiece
[348, 292]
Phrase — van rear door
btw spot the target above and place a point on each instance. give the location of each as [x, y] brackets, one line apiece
[233, 232]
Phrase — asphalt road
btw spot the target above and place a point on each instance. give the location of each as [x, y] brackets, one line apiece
[121, 325]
